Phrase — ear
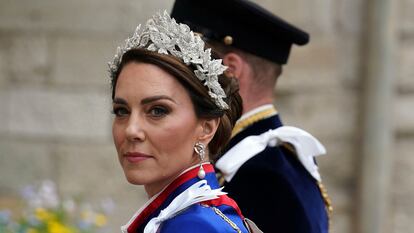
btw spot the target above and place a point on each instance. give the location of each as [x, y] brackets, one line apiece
[208, 130]
[235, 64]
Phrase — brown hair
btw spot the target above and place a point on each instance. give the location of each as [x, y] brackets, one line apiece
[204, 106]
[265, 72]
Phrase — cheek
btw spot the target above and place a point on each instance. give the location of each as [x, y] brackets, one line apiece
[179, 136]
[117, 135]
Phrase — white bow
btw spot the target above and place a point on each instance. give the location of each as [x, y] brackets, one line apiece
[305, 144]
[196, 193]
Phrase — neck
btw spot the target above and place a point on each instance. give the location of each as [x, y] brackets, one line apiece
[156, 187]
[253, 96]
[251, 103]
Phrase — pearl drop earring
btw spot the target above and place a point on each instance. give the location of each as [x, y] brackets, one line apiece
[200, 149]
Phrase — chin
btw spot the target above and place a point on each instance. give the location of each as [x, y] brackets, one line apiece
[134, 181]
[134, 178]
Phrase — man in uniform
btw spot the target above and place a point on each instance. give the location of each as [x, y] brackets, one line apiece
[271, 174]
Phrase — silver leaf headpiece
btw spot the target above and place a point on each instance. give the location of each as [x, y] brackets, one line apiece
[164, 35]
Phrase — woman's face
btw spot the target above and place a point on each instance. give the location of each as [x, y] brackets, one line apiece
[155, 126]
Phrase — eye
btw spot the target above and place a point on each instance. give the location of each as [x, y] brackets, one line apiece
[158, 111]
[120, 111]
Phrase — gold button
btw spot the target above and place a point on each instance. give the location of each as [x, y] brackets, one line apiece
[228, 40]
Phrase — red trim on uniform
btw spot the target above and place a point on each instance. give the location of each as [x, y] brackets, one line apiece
[164, 195]
[224, 200]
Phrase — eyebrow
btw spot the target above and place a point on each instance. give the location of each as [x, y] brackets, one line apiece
[155, 98]
[119, 101]
[147, 100]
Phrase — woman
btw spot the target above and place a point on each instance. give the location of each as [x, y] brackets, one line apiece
[174, 112]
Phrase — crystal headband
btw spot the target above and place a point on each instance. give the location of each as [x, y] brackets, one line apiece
[164, 35]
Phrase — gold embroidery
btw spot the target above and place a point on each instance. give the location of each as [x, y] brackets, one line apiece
[240, 125]
[327, 201]
[220, 178]
[225, 218]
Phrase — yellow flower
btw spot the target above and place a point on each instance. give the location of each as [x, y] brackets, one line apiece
[100, 220]
[32, 230]
[57, 227]
[43, 215]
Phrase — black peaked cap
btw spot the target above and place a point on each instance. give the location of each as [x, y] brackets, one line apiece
[251, 27]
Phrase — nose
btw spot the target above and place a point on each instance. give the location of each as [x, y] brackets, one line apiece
[134, 130]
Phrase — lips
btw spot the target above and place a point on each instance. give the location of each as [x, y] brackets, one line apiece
[136, 157]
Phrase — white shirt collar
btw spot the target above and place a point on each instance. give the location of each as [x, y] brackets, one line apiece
[255, 110]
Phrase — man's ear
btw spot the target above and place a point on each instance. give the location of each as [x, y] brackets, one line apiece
[235, 64]
[209, 128]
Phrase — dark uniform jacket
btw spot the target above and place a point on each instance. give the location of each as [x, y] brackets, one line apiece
[274, 190]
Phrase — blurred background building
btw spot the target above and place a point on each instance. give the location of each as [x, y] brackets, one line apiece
[352, 87]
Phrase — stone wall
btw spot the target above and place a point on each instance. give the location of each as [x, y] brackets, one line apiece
[55, 109]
